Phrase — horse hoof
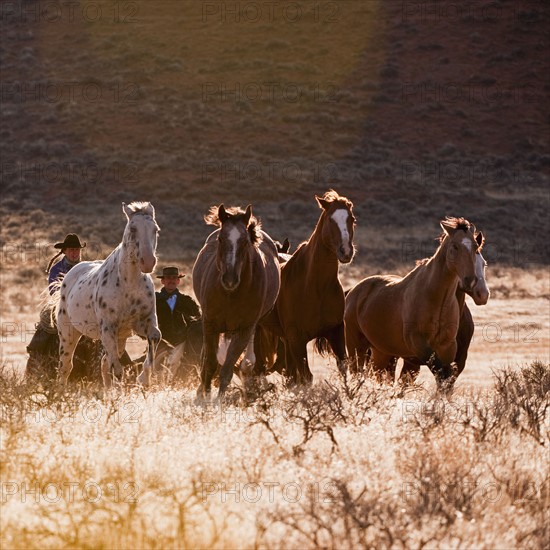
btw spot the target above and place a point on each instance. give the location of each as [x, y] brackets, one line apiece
[144, 380]
[202, 400]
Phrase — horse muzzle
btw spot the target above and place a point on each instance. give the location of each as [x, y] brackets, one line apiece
[480, 297]
[147, 266]
[230, 282]
[345, 255]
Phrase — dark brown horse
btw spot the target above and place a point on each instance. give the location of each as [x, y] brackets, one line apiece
[311, 299]
[480, 294]
[416, 316]
[236, 279]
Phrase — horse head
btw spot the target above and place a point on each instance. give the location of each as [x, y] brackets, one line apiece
[238, 231]
[338, 224]
[283, 248]
[142, 232]
[459, 237]
[480, 292]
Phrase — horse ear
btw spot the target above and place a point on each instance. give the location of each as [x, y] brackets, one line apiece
[222, 214]
[447, 228]
[248, 214]
[127, 210]
[480, 239]
[286, 246]
[322, 202]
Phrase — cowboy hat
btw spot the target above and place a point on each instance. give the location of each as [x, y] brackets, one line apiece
[71, 241]
[170, 271]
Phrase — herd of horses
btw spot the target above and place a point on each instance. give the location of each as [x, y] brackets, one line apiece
[270, 304]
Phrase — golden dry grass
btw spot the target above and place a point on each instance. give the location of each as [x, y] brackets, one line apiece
[344, 464]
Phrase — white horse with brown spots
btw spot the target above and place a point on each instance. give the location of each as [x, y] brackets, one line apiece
[113, 299]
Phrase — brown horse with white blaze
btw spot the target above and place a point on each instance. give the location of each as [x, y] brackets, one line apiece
[480, 295]
[416, 316]
[311, 300]
[236, 279]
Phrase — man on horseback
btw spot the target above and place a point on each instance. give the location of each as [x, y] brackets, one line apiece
[179, 319]
[43, 349]
[175, 310]
[71, 247]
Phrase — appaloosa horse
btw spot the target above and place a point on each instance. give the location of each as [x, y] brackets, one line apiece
[111, 299]
[236, 279]
[311, 299]
[480, 294]
[416, 316]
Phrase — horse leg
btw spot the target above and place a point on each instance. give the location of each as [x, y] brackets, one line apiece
[358, 347]
[238, 344]
[279, 365]
[410, 370]
[209, 363]
[152, 342]
[153, 338]
[336, 339]
[296, 361]
[463, 338]
[444, 368]
[265, 345]
[68, 339]
[382, 364]
[110, 364]
[249, 359]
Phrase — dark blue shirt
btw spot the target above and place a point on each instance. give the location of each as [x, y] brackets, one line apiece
[58, 271]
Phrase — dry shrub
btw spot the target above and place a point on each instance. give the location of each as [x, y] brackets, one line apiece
[350, 516]
[524, 399]
[440, 478]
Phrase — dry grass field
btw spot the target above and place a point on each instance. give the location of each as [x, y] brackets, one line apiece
[346, 463]
[413, 110]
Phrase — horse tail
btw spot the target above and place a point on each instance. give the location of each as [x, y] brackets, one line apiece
[322, 347]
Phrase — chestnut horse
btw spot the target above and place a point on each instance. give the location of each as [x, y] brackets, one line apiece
[311, 299]
[236, 279]
[416, 316]
[480, 294]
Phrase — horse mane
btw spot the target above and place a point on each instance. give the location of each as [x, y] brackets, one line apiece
[254, 226]
[332, 196]
[456, 223]
[141, 207]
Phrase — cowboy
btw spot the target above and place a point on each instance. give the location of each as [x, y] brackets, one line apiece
[43, 348]
[71, 247]
[175, 311]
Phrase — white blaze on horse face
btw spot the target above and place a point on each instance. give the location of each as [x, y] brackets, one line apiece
[481, 290]
[480, 266]
[233, 237]
[467, 243]
[340, 216]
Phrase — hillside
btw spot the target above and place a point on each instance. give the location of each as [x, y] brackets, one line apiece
[412, 113]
